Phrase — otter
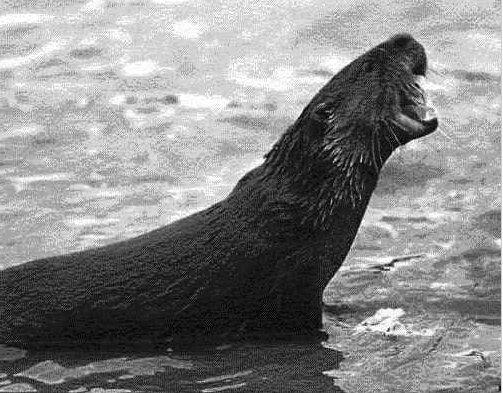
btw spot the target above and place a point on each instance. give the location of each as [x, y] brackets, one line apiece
[254, 264]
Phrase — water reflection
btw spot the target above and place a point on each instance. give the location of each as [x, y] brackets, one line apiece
[288, 367]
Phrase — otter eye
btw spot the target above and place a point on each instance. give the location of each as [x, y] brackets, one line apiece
[420, 68]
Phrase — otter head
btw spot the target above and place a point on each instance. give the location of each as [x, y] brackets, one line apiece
[376, 103]
[339, 143]
[413, 116]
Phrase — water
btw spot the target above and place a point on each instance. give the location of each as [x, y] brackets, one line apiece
[117, 117]
[294, 367]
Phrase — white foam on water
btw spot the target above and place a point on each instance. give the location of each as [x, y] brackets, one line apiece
[92, 240]
[282, 79]
[448, 85]
[118, 35]
[95, 67]
[10, 20]
[79, 187]
[248, 35]
[169, 2]
[141, 120]
[226, 377]
[196, 101]
[200, 116]
[26, 130]
[442, 285]
[188, 30]
[335, 63]
[225, 387]
[381, 321]
[125, 376]
[386, 321]
[38, 55]
[140, 68]
[81, 222]
[166, 113]
[125, 20]
[94, 5]
[118, 100]
[95, 130]
[214, 179]
[18, 387]
[22, 182]
[130, 114]
[104, 193]
[388, 228]
[52, 373]
[82, 102]
[88, 41]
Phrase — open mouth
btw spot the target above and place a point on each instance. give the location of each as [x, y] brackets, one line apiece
[419, 106]
[418, 117]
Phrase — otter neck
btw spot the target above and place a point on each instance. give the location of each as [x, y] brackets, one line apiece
[337, 174]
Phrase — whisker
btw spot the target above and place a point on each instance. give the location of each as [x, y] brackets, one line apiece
[440, 130]
[445, 129]
[450, 138]
[448, 126]
[393, 132]
[435, 71]
[373, 152]
[381, 162]
[389, 142]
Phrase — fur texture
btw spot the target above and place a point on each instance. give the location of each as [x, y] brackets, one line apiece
[252, 265]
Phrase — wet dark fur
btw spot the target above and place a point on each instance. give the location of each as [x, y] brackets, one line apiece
[251, 265]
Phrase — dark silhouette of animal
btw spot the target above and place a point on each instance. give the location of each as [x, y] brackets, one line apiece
[254, 264]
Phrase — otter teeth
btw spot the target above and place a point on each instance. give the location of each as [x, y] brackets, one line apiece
[419, 79]
[427, 110]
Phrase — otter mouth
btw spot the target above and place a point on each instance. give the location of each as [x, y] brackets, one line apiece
[418, 116]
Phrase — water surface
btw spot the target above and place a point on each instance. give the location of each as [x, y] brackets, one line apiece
[117, 117]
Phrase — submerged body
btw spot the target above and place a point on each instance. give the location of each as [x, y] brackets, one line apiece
[254, 264]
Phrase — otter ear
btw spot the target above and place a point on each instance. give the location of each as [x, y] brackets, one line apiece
[319, 118]
[322, 112]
